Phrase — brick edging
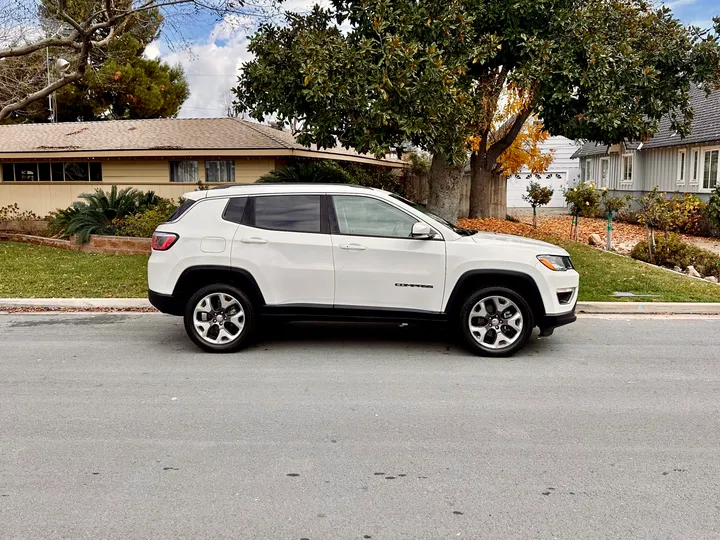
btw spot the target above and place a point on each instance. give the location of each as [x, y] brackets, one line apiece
[115, 245]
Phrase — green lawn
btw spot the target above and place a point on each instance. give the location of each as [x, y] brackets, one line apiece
[602, 274]
[28, 271]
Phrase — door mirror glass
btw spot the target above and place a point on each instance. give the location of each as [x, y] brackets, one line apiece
[422, 230]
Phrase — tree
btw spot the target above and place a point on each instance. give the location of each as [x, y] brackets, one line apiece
[74, 29]
[604, 70]
[395, 79]
[434, 74]
[121, 85]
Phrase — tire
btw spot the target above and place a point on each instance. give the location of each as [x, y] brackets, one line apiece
[230, 321]
[479, 327]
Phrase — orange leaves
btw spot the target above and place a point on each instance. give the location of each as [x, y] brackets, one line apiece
[525, 150]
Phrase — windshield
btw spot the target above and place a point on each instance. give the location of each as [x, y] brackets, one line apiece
[421, 208]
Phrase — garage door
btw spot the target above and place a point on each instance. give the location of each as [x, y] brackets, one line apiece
[517, 187]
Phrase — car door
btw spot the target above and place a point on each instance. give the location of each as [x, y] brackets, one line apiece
[378, 263]
[284, 242]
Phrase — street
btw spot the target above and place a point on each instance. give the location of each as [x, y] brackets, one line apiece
[114, 426]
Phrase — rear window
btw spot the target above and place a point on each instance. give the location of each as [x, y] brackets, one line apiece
[292, 213]
[181, 209]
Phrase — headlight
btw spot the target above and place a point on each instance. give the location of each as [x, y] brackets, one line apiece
[556, 262]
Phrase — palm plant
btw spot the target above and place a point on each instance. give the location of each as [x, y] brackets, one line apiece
[98, 212]
[326, 172]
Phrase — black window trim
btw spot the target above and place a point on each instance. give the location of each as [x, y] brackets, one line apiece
[249, 216]
[335, 227]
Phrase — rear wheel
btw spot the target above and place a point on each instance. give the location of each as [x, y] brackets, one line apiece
[496, 321]
[220, 318]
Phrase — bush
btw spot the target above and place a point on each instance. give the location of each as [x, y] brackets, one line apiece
[12, 213]
[102, 213]
[143, 224]
[687, 214]
[332, 172]
[671, 251]
[583, 199]
[712, 210]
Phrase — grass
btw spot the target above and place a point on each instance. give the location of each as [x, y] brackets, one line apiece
[29, 271]
[602, 274]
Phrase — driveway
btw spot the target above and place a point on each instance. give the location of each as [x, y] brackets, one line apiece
[115, 427]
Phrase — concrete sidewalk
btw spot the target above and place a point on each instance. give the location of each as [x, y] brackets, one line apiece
[600, 308]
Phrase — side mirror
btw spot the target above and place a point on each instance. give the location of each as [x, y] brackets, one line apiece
[422, 230]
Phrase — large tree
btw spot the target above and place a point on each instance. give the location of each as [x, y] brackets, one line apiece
[31, 30]
[434, 74]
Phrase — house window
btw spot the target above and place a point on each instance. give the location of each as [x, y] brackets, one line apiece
[605, 172]
[695, 171]
[76, 171]
[627, 168]
[710, 169]
[588, 168]
[184, 171]
[681, 168]
[219, 171]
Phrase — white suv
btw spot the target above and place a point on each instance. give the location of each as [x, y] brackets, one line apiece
[232, 256]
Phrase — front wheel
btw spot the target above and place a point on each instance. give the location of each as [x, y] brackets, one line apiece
[220, 318]
[496, 322]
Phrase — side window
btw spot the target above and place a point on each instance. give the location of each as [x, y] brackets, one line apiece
[365, 216]
[293, 213]
[235, 209]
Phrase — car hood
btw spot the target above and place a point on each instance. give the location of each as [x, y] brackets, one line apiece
[498, 238]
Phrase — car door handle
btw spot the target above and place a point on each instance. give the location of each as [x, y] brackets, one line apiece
[253, 240]
[352, 247]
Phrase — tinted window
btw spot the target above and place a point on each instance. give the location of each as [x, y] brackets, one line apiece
[44, 170]
[26, 172]
[77, 172]
[57, 172]
[296, 213]
[181, 209]
[8, 172]
[235, 209]
[364, 216]
[95, 171]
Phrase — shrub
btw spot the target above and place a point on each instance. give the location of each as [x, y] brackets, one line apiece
[101, 213]
[331, 172]
[671, 251]
[583, 199]
[712, 210]
[12, 212]
[612, 205]
[537, 195]
[686, 214]
[144, 223]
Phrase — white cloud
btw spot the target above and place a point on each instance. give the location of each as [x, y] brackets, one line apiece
[677, 3]
[212, 65]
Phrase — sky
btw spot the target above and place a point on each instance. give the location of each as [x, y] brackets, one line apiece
[212, 52]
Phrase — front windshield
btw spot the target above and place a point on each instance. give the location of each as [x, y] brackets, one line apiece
[421, 208]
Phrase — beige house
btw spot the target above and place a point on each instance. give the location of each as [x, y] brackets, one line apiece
[46, 166]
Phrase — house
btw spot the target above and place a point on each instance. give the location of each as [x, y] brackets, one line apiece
[671, 163]
[46, 166]
[563, 171]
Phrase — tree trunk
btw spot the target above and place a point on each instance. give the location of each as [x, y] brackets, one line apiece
[488, 189]
[445, 182]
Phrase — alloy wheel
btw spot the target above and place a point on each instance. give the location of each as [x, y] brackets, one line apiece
[219, 318]
[496, 322]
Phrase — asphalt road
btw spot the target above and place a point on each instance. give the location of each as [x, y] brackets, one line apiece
[116, 427]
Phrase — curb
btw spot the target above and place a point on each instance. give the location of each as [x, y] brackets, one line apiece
[595, 308]
[76, 303]
[648, 308]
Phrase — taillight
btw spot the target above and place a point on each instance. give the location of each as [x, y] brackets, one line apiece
[162, 241]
